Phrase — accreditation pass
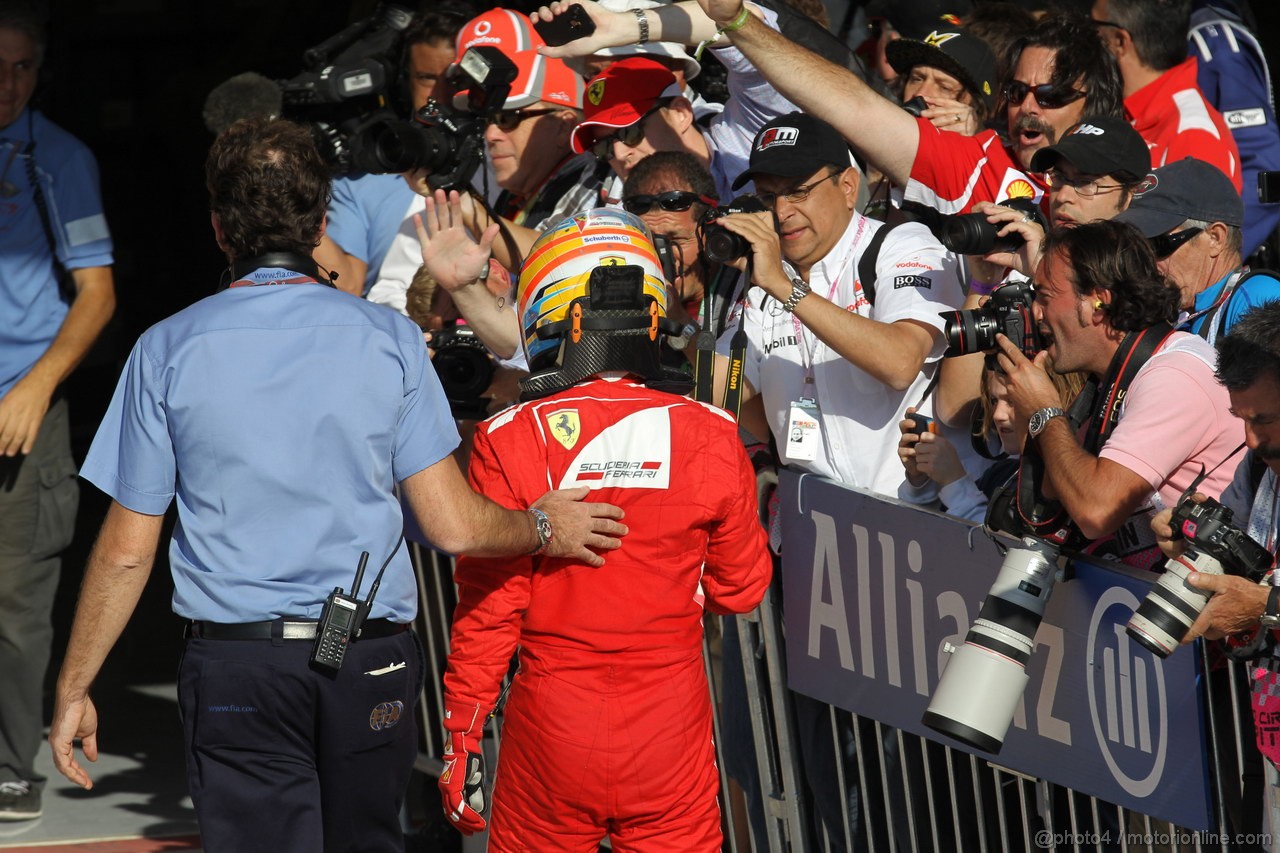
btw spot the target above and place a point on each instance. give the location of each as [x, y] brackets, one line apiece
[804, 436]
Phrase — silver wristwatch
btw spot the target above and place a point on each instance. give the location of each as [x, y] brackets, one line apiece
[1041, 417]
[680, 341]
[799, 290]
[543, 525]
[1271, 615]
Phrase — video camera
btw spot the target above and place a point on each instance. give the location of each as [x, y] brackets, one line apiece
[1214, 547]
[717, 243]
[1008, 312]
[447, 143]
[345, 85]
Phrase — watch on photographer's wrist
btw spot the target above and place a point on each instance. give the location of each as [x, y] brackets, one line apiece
[799, 290]
[1040, 419]
[1271, 613]
[542, 525]
[680, 341]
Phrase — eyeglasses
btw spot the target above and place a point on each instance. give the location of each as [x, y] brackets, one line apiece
[1166, 244]
[1084, 187]
[1047, 95]
[509, 120]
[673, 201]
[798, 194]
[629, 136]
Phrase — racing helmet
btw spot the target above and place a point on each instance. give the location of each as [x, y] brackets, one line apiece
[592, 298]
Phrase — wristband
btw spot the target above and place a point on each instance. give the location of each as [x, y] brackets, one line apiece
[982, 288]
[643, 20]
[739, 21]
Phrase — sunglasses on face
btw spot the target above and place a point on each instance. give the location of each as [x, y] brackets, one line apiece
[630, 136]
[509, 120]
[673, 201]
[1165, 245]
[1046, 94]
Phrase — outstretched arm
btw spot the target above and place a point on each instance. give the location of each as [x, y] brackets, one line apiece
[884, 134]
[460, 265]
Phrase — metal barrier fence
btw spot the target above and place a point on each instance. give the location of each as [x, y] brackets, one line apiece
[801, 775]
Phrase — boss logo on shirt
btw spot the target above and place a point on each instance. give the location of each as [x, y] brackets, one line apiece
[902, 281]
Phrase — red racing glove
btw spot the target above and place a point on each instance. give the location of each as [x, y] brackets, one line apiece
[462, 782]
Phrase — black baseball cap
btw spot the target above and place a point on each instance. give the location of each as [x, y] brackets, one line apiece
[793, 146]
[915, 19]
[955, 51]
[1099, 145]
[1185, 189]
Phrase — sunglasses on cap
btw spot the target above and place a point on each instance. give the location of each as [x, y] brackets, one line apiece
[1046, 94]
[1165, 245]
[509, 120]
[630, 136]
[673, 201]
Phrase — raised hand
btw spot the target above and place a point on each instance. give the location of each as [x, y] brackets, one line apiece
[449, 253]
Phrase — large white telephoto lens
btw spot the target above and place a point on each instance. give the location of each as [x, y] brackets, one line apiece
[1165, 615]
[985, 678]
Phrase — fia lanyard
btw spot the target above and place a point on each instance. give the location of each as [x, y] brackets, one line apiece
[273, 275]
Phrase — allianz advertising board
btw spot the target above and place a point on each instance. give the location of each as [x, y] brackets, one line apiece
[874, 590]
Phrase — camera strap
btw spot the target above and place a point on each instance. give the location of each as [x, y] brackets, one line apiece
[1134, 352]
[61, 275]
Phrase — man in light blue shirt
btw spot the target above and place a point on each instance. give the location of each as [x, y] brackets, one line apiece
[56, 295]
[282, 415]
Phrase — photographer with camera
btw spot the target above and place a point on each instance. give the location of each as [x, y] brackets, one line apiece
[282, 477]
[1240, 607]
[1102, 307]
[1193, 217]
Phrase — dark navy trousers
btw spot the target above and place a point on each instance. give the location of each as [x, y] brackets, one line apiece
[283, 758]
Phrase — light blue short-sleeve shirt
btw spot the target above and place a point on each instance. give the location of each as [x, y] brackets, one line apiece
[280, 417]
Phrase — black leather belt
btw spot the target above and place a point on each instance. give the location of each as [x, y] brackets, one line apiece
[285, 629]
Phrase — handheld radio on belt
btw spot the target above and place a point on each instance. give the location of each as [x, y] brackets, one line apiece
[343, 616]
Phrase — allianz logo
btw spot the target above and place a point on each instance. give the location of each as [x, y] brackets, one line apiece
[1127, 698]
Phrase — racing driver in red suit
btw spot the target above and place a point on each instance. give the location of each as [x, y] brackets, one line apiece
[607, 729]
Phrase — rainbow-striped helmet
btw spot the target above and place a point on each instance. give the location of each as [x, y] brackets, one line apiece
[558, 270]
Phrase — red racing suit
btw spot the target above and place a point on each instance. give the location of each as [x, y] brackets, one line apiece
[607, 729]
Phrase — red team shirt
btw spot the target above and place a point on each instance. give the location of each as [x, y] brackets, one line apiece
[1177, 122]
[952, 173]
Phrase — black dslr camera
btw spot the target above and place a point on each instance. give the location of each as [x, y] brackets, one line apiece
[1207, 527]
[465, 368]
[972, 234]
[446, 142]
[1008, 312]
[717, 243]
[346, 84]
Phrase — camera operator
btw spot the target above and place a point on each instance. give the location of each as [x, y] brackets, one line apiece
[527, 148]
[368, 209]
[1249, 368]
[1103, 308]
[282, 477]
[1193, 217]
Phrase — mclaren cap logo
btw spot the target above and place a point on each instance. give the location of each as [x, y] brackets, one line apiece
[565, 426]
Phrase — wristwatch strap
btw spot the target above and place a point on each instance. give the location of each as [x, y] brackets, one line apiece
[799, 290]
